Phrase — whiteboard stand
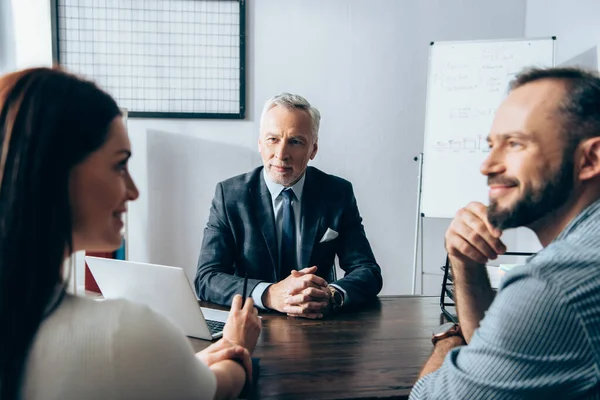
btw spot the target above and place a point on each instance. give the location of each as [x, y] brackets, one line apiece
[418, 226]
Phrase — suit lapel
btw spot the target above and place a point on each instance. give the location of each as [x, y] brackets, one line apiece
[312, 209]
[263, 209]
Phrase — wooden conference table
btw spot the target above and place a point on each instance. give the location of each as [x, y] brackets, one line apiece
[373, 353]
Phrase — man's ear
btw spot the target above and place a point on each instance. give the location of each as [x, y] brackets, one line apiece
[315, 149]
[589, 159]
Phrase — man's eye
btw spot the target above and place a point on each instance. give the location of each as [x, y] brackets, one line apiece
[514, 144]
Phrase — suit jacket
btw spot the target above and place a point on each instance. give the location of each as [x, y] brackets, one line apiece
[240, 237]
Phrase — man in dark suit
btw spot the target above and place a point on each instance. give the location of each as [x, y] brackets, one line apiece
[283, 224]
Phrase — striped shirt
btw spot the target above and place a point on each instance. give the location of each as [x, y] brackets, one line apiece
[540, 338]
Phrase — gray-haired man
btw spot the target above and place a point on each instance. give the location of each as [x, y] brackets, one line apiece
[282, 225]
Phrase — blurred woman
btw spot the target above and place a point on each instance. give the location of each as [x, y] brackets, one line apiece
[64, 187]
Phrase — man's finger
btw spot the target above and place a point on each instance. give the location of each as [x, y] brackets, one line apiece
[316, 293]
[312, 293]
[297, 299]
[296, 274]
[306, 307]
[308, 270]
[475, 239]
[482, 229]
[316, 279]
[480, 211]
[459, 247]
[299, 285]
[303, 298]
[304, 271]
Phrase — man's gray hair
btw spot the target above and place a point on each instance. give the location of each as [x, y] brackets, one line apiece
[292, 102]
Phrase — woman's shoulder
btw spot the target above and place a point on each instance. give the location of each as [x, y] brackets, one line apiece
[126, 346]
[117, 327]
[117, 316]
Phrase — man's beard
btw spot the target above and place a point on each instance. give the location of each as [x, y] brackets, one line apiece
[535, 203]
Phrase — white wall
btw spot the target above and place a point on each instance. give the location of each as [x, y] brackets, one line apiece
[32, 33]
[25, 35]
[363, 63]
[7, 49]
[575, 23]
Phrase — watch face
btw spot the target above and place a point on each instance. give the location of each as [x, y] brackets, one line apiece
[337, 298]
[443, 328]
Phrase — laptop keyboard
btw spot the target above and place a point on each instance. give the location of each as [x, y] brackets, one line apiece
[215, 326]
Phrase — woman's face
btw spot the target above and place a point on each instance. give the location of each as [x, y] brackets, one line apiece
[99, 189]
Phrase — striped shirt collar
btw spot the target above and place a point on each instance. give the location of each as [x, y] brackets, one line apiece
[586, 215]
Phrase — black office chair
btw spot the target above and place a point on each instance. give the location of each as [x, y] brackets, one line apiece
[447, 295]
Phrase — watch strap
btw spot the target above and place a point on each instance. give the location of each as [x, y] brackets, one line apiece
[453, 331]
[337, 298]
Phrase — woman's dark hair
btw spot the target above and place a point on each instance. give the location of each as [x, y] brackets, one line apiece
[50, 121]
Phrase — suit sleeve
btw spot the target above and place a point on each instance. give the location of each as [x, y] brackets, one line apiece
[362, 280]
[215, 281]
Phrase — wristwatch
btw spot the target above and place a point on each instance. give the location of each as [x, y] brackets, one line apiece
[337, 298]
[445, 331]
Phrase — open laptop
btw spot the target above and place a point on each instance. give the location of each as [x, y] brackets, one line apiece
[164, 289]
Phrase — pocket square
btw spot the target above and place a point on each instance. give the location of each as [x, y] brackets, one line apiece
[329, 235]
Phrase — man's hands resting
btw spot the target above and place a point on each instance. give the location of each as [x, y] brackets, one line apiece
[302, 294]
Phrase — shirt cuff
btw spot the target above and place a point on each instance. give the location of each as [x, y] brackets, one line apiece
[341, 289]
[257, 293]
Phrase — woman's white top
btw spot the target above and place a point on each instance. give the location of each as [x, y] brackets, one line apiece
[112, 349]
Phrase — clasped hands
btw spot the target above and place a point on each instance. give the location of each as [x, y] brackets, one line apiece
[301, 294]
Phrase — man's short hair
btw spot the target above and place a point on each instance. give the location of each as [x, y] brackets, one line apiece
[580, 108]
[292, 102]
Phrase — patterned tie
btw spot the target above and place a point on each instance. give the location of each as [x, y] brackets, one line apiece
[288, 236]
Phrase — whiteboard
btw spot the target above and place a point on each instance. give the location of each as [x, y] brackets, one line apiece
[467, 81]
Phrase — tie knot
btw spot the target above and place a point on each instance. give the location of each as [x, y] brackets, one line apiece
[288, 195]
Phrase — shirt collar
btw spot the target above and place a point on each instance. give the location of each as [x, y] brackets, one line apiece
[588, 215]
[275, 188]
